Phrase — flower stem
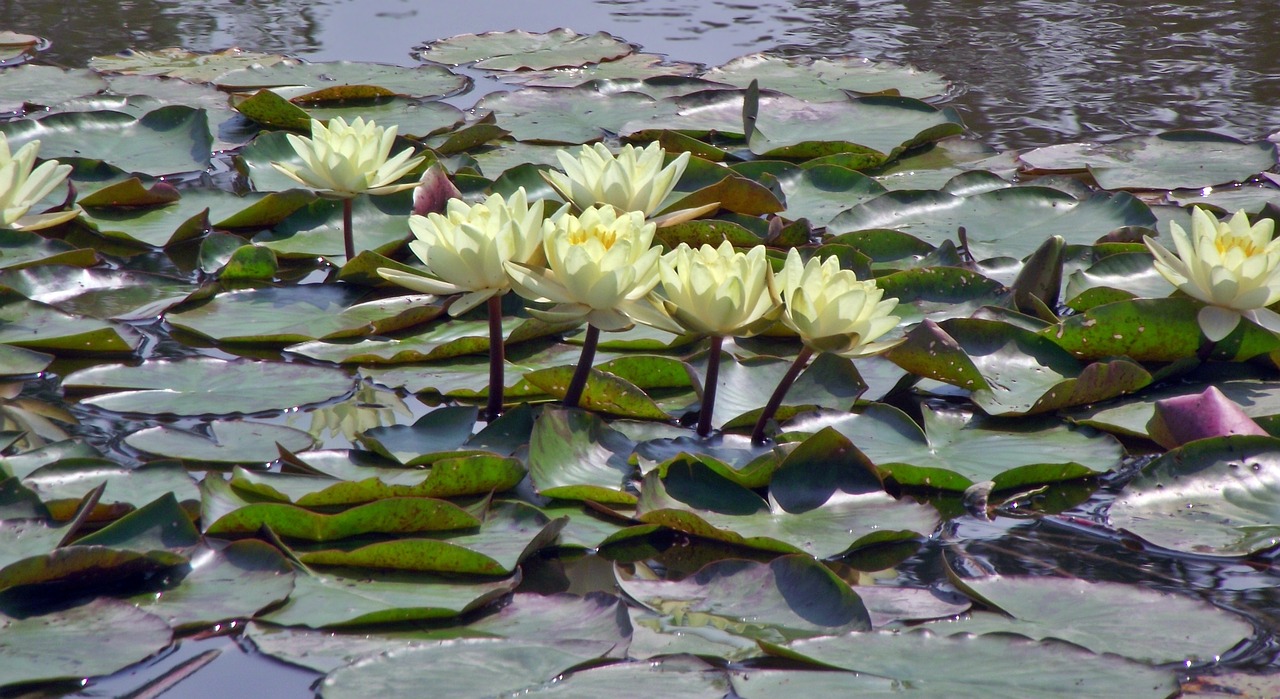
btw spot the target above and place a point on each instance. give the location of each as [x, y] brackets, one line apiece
[709, 387]
[348, 239]
[497, 356]
[579, 382]
[757, 434]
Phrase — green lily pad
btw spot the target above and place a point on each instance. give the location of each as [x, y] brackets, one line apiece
[1009, 222]
[637, 71]
[207, 386]
[318, 82]
[604, 392]
[1115, 278]
[461, 668]
[442, 340]
[99, 293]
[168, 140]
[439, 433]
[574, 455]
[15, 361]
[876, 128]
[234, 582]
[412, 118]
[1211, 497]
[566, 115]
[1159, 161]
[790, 597]
[378, 224]
[745, 386]
[226, 514]
[227, 442]
[20, 249]
[63, 484]
[1125, 620]
[521, 50]
[39, 326]
[45, 86]
[148, 540]
[511, 532]
[326, 601]
[1011, 370]
[826, 79]
[960, 666]
[1153, 330]
[93, 639]
[693, 499]
[822, 192]
[183, 64]
[301, 313]
[956, 450]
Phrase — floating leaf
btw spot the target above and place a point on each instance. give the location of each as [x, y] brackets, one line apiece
[575, 455]
[1159, 161]
[41, 327]
[790, 597]
[1212, 497]
[93, 639]
[227, 442]
[207, 386]
[234, 582]
[165, 141]
[180, 63]
[44, 86]
[99, 293]
[519, 50]
[956, 450]
[566, 115]
[316, 82]
[826, 79]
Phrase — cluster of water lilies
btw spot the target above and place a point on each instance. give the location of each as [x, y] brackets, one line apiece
[594, 260]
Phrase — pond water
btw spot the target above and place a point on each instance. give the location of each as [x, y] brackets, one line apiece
[1027, 72]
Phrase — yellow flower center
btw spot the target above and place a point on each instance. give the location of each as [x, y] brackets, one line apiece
[607, 237]
[1245, 244]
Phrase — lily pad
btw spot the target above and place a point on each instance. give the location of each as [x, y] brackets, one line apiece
[337, 80]
[99, 293]
[1125, 620]
[1009, 222]
[183, 64]
[790, 597]
[1160, 161]
[520, 50]
[1212, 497]
[826, 79]
[960, 666]
[956, 450]
[88, 640]
[45, 86]
[637, 70]
[207, 386]
[39, 326]
[566, 115]
[227, 442]
[168, 140]
[234, 582]
[300, 313]
[575, 455]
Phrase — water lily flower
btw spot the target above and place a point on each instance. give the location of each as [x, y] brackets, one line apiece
[715, 291]
[465, 249]
[1233, 267]
[22, 185]
[600, 264]
[343, 160]
[634, 180]
[832, 310]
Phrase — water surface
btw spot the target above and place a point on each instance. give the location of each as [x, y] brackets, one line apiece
[1028, 72]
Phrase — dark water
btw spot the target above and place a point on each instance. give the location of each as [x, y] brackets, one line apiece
[1028, 72]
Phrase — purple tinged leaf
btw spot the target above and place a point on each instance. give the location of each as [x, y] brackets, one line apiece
[1185, 419]
[433, 191]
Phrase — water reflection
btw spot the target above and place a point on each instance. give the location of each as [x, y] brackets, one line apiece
[1033, 71]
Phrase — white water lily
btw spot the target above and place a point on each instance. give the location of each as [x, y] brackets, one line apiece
[832, 310]
[22, 185]
[1233, 267]
[715, 291]
[466, 248]
[600, 264]
[634, 180]
[343, 160]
